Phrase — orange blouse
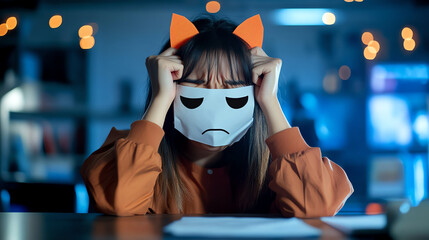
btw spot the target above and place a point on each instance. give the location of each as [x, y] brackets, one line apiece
[121, 175]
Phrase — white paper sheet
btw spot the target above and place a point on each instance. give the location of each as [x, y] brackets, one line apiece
[351, 223]
[240, 227]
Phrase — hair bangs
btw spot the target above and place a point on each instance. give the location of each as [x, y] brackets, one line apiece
[211, 50]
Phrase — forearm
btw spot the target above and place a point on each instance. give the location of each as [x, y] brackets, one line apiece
[274, 116]
[127, 161]
[308, 185]
[157, 111]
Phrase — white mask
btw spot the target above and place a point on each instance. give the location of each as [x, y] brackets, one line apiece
[216, 117]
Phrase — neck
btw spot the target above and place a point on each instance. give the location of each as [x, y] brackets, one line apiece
[203, 157]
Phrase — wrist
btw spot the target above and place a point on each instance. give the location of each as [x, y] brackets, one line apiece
[268, 103]
[157, 110]
[162, 101]
[163, 98]
[274, 116]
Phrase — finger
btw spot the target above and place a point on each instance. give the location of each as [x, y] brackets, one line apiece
[258, 60]
[176, 71]
[168, 52]
[177, 60]
[174, 57]
[257, 75]
[258, 52]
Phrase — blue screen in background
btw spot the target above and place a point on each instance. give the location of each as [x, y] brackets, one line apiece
[398, 120]
[397, 131]
[397, 109]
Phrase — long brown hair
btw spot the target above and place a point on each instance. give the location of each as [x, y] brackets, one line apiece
[248, 158]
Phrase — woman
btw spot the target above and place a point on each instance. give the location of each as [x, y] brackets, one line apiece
[164, 165]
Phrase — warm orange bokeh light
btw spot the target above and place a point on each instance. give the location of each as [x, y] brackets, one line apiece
[348, 0]
[374, 208]
[358, 0]
[407, 33]
[11, 23]
[55, 21]
[369, 53]
[87, 42]
[3, 29]
[374, 44]
[367, 37]
[213, 7]
[85, 31]
[409, 44]
[372, 50]
[344, 72]
[328, 18]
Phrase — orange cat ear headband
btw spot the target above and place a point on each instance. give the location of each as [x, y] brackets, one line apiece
[181, 30]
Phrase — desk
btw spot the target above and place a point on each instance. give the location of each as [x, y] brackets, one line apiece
[97, 226]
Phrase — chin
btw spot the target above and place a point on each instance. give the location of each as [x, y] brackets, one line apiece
[208, 147]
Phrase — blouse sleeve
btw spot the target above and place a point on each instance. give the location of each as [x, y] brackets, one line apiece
[306, 184]
[121, 175]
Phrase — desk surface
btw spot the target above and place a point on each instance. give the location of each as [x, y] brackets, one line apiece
[97, 226]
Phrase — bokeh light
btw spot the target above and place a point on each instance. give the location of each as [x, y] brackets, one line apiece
[367, 37]
[407, 33]
[87, 42]
[374, 44]
[11, 23]
[85, 31]
[358, 0]
[213, 7]
[348, 0]
[369, 53]
[374, 208]
[421, 126]
[409, 44]
[328, 18]
[344, 72]
[372, 50]
[55, 21]
[3, 29]
[331, 84]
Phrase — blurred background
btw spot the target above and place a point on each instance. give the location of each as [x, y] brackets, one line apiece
[354, 79]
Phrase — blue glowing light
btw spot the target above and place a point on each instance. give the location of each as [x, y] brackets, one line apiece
[419, 181]
[389, 120]
[82, 198]
[330, 131]
[404, 208]
[309, 102]
[399, 76]
[300, 16]
[421, 127]
[5, 199]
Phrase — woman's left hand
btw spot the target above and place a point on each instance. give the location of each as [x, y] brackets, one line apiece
[266, 71]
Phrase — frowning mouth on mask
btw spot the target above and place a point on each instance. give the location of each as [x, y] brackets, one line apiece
[215, 129]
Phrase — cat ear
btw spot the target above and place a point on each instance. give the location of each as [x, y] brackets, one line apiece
[181, 30]
[251, 31]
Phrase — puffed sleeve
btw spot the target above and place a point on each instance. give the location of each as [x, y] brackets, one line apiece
[120, 176]
[306, 184]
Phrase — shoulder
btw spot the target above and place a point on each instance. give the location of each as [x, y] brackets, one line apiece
[114, 135]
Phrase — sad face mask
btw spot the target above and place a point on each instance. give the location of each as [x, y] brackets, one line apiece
[216, 117]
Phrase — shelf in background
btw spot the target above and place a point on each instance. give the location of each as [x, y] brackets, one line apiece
[46, 169]
[73, 113]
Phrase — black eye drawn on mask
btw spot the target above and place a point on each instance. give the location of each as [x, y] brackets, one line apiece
[237, 103]
[191, 103]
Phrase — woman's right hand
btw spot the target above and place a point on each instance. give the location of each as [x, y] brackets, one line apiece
[163, 70]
